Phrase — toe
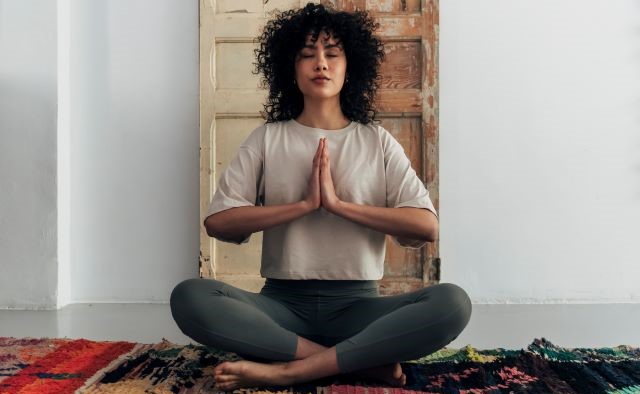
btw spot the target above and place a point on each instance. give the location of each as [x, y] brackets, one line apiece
[219, 369]
[226, 385]
[397, 371]
[223, 378]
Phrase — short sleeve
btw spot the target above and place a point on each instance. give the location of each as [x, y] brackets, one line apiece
[404, 186]
[241, 183]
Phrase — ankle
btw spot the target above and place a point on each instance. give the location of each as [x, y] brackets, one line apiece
[307, 348]
[287, 373]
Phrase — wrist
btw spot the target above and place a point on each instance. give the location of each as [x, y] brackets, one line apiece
[337, 207]
[306, 206]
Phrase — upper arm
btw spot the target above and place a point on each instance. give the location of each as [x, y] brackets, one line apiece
[404, 186]
[240, 184]
[405, 189]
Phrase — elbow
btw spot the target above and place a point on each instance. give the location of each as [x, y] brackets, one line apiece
[433, 230]
[213, 230]
[434, 233]
[210, 227]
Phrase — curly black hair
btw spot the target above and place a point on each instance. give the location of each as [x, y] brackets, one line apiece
[284, 36]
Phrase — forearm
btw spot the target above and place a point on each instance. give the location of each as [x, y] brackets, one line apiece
[405, 222]
[236, 222]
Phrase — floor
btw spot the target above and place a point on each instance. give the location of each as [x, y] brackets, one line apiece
[491, 326]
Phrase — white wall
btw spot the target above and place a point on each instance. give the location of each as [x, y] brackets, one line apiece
[134, 149]
[28, 234]
[540, 185]
[540, 143]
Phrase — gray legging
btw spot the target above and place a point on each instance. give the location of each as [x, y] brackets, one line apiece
[367, 329]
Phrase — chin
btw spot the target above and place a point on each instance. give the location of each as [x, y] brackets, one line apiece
[322, 95]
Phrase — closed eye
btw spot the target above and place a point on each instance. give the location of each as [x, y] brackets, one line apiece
[312, 55]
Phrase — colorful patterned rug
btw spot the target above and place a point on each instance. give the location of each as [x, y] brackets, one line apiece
[29, 365]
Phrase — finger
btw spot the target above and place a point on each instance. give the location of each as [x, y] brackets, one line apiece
[319, 149]
[318, 152]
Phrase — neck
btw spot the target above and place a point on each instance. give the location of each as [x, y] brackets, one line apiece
[323, 114]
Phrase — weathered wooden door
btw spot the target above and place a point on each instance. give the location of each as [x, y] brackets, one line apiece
[230, 101]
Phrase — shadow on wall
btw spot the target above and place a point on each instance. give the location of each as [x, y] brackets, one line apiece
[28, 241]
[28, 120]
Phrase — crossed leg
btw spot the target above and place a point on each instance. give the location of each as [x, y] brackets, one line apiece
[401, 327]
[312, 361]
[385, 330]
[390, 373]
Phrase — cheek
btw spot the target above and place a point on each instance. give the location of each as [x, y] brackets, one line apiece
[302, 66]
[299, 71]
[343, 66]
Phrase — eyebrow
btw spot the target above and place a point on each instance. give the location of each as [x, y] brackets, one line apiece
[326, 47]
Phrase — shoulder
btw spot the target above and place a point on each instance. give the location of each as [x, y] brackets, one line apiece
[372, 130]
[388, 142]
[373, 127]
[258, 132]
[271, 129]
[255, 140]
[377, 129]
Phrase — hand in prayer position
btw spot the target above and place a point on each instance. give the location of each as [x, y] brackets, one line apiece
[321, 192]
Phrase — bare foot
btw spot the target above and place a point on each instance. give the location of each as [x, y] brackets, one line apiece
[231, 375]
[389, 373]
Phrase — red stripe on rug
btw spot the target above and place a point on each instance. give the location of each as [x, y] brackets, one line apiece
[51, 374]
[349, 389]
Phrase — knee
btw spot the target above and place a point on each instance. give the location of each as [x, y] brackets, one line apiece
[185, 292]
[182, 292]
[457, 299]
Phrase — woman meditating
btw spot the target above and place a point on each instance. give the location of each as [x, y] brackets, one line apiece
[324, 184]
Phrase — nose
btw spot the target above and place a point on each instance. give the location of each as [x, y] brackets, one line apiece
[322, 62]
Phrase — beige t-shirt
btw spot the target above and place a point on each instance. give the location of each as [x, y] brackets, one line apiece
[368, 166]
